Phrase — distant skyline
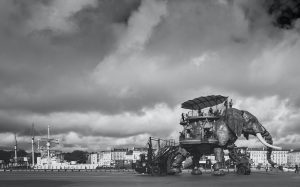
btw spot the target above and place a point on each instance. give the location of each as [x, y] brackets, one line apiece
[109, 74]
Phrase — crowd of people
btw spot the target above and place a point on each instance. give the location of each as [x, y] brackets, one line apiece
[210, 112]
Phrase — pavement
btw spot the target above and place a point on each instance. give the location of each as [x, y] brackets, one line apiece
[125, 179]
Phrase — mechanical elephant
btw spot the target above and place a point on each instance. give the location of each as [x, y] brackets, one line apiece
[225, 131]
[243, 122]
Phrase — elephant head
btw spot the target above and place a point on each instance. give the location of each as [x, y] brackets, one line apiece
[243, 122]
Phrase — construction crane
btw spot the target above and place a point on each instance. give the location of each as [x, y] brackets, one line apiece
[49, 142]
[16, 147]
[32, 145]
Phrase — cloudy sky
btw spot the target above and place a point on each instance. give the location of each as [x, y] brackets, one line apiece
[106, 73]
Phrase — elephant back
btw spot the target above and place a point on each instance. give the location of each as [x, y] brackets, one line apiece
[234, 120]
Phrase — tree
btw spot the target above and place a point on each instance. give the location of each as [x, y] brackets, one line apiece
[77, 155]
[5, 155]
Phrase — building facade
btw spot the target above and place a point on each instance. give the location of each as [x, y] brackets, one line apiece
[119, 154]
[294, 158]
[94, 158]
[129, 155]
[137, 151]
[259, 156]
[105, 158]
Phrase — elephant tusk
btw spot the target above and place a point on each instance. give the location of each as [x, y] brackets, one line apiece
[262, 140]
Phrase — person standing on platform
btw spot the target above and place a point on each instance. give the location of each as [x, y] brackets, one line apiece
[210, 112]
[230, 104]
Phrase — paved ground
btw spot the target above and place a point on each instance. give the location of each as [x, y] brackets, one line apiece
[90, 179]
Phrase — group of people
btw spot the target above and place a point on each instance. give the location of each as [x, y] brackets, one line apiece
[211, 112]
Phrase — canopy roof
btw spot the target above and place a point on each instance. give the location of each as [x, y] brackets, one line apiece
[203, 102]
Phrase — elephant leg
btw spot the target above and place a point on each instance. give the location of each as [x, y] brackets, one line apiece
[219, 156]
[196, 165]
[233, 154]
[231, 141]
[181, 156]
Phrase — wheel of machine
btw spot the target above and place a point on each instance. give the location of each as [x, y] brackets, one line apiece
[248, 171]
[241, 170]
[155, 170]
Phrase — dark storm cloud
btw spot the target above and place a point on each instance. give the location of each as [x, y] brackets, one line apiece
[48, 74]
[91, 124]
[95, 25]
[38, 67]
[109, 11]
[9, 124]
[284, 13]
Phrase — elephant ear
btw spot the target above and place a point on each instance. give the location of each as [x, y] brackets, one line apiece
[235, 121]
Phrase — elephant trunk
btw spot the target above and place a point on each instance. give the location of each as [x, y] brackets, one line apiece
[266, 139]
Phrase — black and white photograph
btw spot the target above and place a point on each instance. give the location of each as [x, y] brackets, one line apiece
[145, 93]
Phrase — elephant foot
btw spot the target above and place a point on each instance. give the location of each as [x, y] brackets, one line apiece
[196, 172]
[218, 173]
